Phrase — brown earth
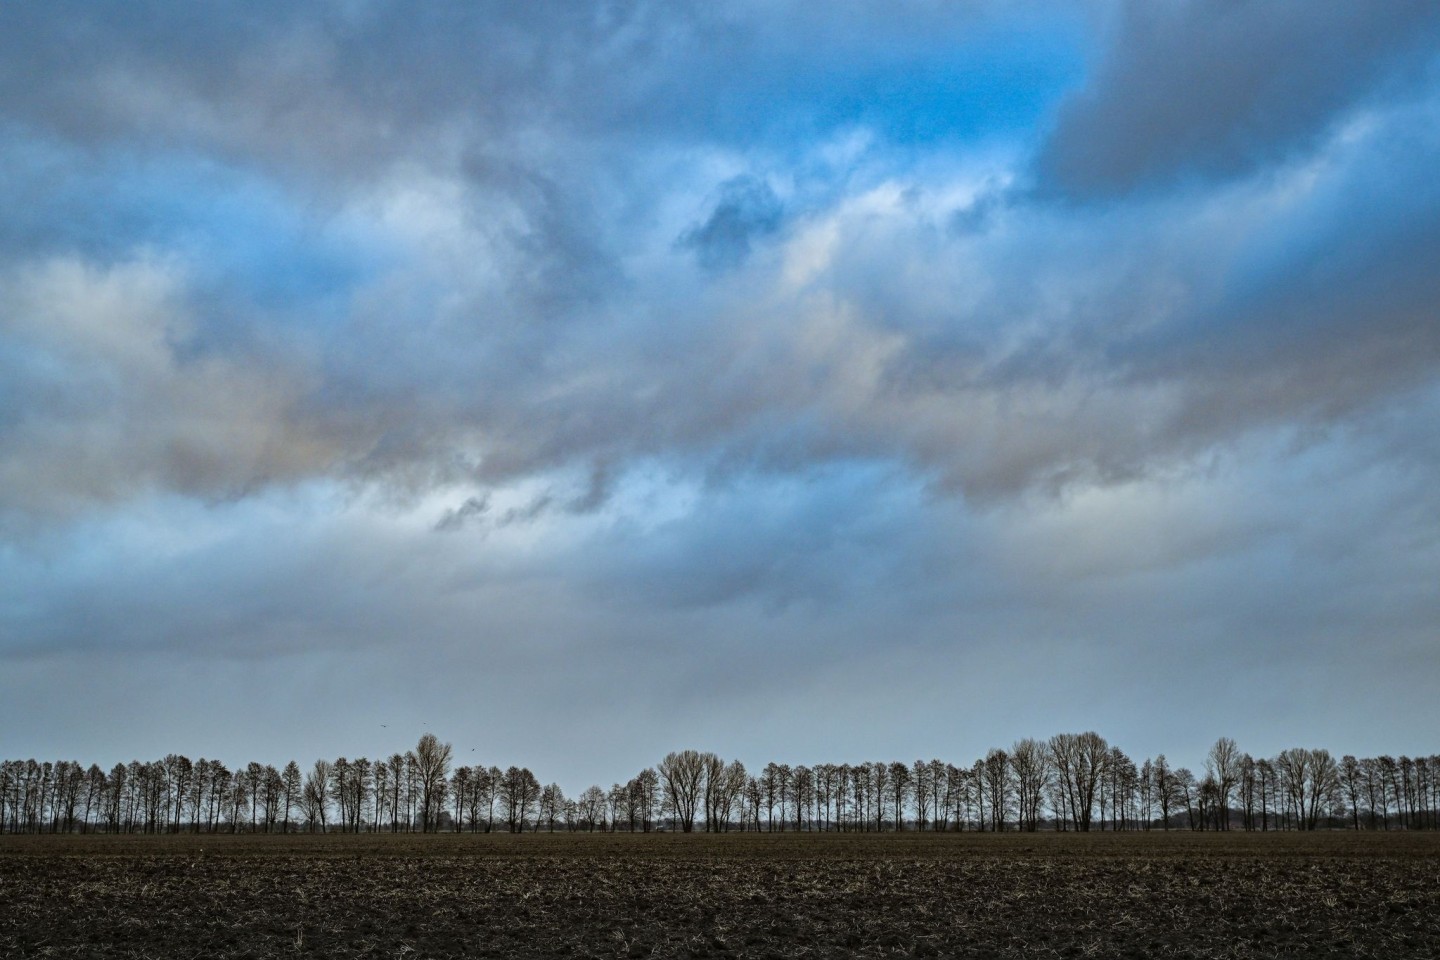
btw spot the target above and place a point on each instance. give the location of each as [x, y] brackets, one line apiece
[784, 895]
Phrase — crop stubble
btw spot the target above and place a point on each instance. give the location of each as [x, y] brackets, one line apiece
[730, 896]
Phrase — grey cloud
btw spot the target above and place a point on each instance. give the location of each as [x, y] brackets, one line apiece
[746, 210]
[536, 508]
[527, 331]
[106, 407]
[457, 517]
[332, 93]
[1215, 88]
[1134, 599]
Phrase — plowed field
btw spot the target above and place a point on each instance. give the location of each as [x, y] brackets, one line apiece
[786, 895]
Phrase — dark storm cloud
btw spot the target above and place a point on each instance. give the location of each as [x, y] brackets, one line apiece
[1215, 88]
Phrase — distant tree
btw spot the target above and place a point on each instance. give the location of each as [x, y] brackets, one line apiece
[753, 801]
[519, 792]
[255, 783]
[879, 793]
[1079, 760]
[432, 762]
[939, 794]
[340, 791]
[1223, 764]
[459, 796]
[221, 784]
[1389, 787]
[179, 772]
[997, 787]
[1310, 778]
[1184, 785]
[317, 793]
[489, 787]
[591, 808]
[923, 785]
[728, 795]
[1265, 774]
[239, 797]
[551, 807]
[1207, 800]
[770, 790]
[1124, 789]
[682, 774]
[1352, 778]
[95, 789]
[1249, 781]
[955, 791]
[395, 778]
[616, 799]
[1031, 770]
[785, 777]
[294, 784]
[647, 791]
[712, 783]
[272, 795]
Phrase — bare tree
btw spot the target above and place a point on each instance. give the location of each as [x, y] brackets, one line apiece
[712, 788]
[1185, 787]
[591, 808]
[681, 774]
[770, 790]
[924, 785]
[997, 787]
[1223, 764]
[317, 793]
[432, 763]
[551, 804]
[519, 791]
[879, 790]
[1030, 769]
[644, 788]
[294, 784]
[1079, 762]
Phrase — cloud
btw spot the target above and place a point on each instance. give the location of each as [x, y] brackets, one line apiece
[457, 517]
[1048, 347]
[370, 341]
[106, 403]
[853, 589]
[1213, 88]
[747, 209]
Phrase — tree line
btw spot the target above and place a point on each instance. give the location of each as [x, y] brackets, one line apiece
[1068, 782]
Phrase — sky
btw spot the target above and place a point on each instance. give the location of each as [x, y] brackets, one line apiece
[581, 381]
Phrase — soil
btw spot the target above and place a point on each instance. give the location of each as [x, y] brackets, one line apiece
[783, 895]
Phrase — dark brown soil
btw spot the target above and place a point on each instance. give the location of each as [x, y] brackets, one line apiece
[735, 896]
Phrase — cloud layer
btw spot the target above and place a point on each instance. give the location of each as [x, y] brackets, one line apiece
[685, 342]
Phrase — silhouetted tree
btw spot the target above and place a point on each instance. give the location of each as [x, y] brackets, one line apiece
[1223, 765]
[1078, 760]
[682, 774]
[519, 792]
[317, 793]
[1030, 769]
[294, 784]
[432, 764]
